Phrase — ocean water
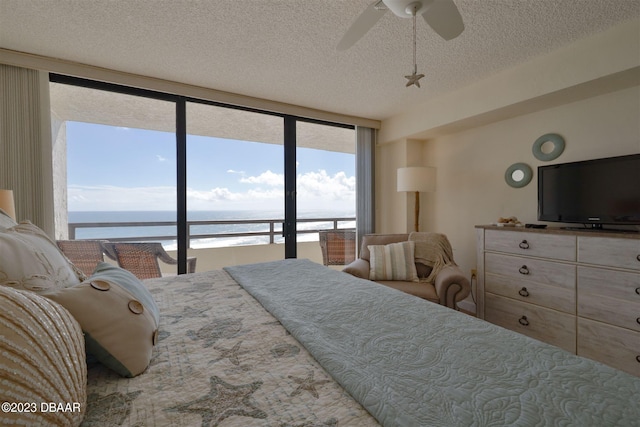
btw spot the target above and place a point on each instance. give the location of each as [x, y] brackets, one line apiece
[169, 242]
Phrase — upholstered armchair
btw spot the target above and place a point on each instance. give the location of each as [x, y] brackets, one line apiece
[438, 279]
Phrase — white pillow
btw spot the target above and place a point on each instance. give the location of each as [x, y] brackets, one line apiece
[30, 260]
[394, 261]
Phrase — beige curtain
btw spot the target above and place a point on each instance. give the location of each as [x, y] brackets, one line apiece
[25, 144]
[365, 182]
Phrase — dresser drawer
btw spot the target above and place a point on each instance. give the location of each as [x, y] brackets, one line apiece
[609, 296]
[622, 253]
[615, 284]
[555, 297]
[532, 270]
[553, 246]
[543, 324]
[611, 345]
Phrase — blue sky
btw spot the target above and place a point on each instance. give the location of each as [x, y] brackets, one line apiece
[115, 168]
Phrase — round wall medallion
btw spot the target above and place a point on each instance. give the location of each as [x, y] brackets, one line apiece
[518, 175]
[545, 155]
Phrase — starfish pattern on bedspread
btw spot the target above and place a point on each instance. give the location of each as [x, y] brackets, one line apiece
[284, 350]
[223, 401]
[188, 313]
[111, 409]
[218, 328]
[307, 384]
[232, 354]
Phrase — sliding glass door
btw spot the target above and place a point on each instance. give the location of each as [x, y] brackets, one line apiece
[326, 192]
[235, 183]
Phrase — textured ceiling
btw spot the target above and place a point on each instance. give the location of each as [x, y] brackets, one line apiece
[284, 50]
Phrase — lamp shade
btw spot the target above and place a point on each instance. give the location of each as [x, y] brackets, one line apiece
[417, 179]
[6, 203]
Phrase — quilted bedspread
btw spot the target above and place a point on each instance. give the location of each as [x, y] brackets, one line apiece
[221, 360]
[414, 363]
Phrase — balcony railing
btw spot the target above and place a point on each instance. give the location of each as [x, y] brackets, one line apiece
[272, 230]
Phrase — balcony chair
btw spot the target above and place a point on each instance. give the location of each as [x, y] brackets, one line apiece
[141, 258]
[84, 254]
[338, 247]
[438, 280]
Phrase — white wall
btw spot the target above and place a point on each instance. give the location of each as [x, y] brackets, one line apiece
[471, 164]
[217, 258]
[588, 92]
[59, 162]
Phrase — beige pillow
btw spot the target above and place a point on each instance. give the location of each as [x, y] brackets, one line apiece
[42, 361]
[393, 262]
[30, 260]
[118, 316]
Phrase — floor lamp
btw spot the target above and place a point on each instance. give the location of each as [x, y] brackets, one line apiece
[7, 204]
[417, 179]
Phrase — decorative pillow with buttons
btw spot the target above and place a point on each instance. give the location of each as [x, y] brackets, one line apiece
[118, 317]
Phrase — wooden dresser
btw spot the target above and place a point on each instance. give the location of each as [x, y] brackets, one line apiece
[578, 290]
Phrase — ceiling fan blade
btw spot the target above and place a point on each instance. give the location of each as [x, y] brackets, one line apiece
[361, 25]
[445, 19]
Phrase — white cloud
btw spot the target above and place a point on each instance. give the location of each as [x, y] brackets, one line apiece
[214, 195]
[322, 186]
[160, 158]
[316, 190]
[267, 178]
[103, 197]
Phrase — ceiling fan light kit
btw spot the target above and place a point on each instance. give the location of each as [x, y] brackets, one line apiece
[441, 15]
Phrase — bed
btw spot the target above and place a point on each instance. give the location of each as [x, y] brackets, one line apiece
[294, 343]
[222, 359]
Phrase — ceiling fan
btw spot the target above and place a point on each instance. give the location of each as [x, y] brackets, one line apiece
[441, 15]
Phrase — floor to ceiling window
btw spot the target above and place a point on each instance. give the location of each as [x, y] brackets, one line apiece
[235, 177]
[217, 174]
[325, 181]
[120, 164]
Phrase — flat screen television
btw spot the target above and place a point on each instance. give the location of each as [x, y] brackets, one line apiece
[591, 192]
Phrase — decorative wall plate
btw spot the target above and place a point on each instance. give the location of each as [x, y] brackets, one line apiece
[518, 175]
[558, 147]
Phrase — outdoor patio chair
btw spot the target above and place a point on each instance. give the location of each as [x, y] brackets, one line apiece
[338, 247]
[84, 254]
[141, 258]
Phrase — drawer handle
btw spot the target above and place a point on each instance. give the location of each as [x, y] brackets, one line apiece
[638, 257]
[638, 358]
[525, 245]
[638, 291]
[523, 292]
[638, 320]
[523, 321]
[524, 270]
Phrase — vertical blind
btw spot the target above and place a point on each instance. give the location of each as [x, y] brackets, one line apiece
[25, 144]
